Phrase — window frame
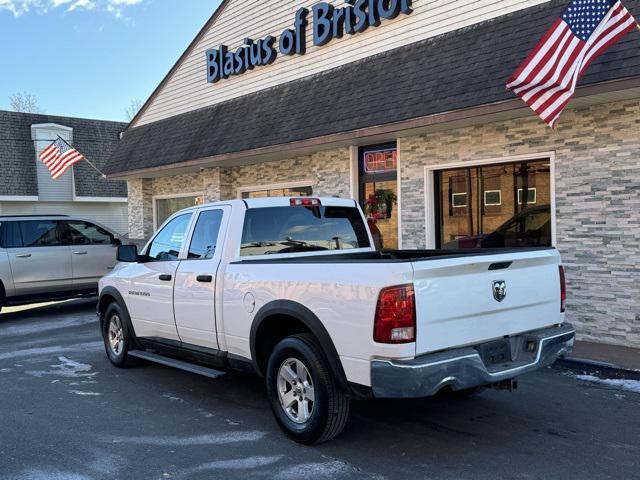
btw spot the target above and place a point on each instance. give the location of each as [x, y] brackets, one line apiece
[499, 192]
[529, 189]
[225, 209]
[466, 201]
[431, 202]
[155, 198]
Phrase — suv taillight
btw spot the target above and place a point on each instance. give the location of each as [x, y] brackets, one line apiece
[395, 320]
[563, 290]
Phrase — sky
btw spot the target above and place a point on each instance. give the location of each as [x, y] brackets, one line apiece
[91, 58]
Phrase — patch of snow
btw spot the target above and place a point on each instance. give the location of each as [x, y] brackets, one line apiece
[211, 439]
[67, 368]
[173, 398]
[624, 384]
[247, 463]
[85, 394]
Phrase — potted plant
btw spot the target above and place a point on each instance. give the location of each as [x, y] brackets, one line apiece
[380, 204]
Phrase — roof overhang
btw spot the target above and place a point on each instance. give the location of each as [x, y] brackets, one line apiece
[604, 92]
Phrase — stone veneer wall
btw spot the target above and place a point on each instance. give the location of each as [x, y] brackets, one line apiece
[597, 174]
[328, 171]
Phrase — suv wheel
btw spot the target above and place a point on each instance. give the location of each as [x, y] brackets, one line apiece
[116, 336]
[305, 397]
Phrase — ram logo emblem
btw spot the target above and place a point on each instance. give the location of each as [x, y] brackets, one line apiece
[499, 290]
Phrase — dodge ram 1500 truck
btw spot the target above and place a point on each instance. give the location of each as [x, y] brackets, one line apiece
[293, 289]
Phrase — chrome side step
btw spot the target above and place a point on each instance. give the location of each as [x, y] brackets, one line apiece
[179, 364]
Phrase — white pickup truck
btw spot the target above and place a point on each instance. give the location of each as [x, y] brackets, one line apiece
[292, 289]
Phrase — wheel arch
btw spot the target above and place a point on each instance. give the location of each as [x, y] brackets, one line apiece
[109, 295]
[278, 310]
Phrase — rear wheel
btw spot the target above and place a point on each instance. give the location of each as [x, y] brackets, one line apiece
[115, 334]
[305, 397]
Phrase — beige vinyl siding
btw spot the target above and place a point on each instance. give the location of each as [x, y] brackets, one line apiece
[188, 89]
[112, 215]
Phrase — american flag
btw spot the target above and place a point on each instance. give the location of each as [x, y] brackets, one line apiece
[59, 157]
[547, 79]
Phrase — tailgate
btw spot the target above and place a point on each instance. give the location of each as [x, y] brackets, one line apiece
[456, 306]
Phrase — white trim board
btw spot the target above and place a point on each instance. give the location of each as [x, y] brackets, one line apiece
[429, 188]
[77, 198]
[18, 198]
[169, 196]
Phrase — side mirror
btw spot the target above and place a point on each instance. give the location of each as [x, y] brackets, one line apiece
[127, 253]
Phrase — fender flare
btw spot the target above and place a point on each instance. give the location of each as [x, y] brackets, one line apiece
[115, 294]
[313, 324]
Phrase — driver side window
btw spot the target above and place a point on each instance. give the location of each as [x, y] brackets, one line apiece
[166, 246]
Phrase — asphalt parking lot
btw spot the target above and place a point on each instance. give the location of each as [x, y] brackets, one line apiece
[66, 413]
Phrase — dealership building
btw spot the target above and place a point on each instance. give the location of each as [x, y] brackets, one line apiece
[402, 106]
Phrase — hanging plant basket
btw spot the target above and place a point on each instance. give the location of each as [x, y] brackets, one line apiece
[379, 205]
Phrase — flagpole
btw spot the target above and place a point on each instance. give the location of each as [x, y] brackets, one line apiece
[86, 159]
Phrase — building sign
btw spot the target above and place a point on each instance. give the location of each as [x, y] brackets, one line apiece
[377, 161]
[328, 22]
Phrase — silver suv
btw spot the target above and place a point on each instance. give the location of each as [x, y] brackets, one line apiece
[46, 258]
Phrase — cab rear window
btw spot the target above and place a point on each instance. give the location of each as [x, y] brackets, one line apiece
[278, 230]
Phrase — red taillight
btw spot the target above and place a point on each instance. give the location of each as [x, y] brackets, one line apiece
[395, 320]
[563, 290]
[305, 202]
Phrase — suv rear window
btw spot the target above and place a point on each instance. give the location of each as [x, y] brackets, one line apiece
[274, 230]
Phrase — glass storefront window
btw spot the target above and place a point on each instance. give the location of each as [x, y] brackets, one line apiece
[165, 207]
[280, 192]
[487, 207]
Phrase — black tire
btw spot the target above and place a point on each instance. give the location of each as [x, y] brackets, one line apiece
[118, 356]
[330, 408]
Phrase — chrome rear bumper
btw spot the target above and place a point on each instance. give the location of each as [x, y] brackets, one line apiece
[464, 368]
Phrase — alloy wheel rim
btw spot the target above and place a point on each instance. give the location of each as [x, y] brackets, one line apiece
[116, 335]
[295, 390]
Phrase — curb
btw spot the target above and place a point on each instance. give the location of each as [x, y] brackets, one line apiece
[594, 366]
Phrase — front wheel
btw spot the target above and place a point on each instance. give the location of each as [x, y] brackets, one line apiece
[116, 336]
[305, 397]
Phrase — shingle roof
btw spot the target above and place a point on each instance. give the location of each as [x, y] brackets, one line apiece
[96, 139]
[457, 70]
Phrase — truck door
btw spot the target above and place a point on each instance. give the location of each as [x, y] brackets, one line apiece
[150, 296]
[195, 285]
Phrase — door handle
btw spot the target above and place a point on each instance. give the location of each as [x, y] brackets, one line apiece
[204, 278]
[165, 278]
[84, 252]
[24, 255]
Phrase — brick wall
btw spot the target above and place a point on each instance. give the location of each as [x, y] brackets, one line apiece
[328, 171]
[597, 153]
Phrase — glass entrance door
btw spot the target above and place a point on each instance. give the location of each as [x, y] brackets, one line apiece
[378, 170]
